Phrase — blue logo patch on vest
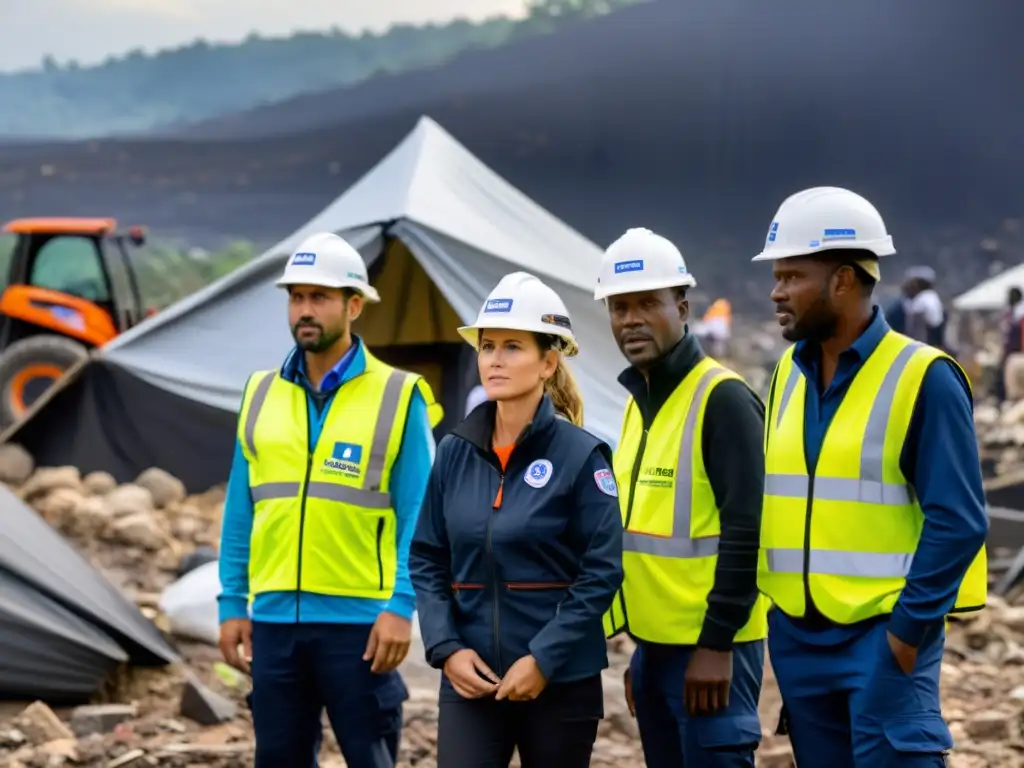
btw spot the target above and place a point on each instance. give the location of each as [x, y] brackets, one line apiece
[498, 305]
[606, 482]
[345, 459]
[637, 265]
[538, 474]
[839, 234]
[304, 259]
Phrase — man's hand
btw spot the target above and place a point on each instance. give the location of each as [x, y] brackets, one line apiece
[708, 677]
[389, 642]
[524, 681]
[905, 655]
[627, 683]
[234, 633]
[469, 676]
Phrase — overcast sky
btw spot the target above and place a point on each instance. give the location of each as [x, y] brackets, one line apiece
[89, 30]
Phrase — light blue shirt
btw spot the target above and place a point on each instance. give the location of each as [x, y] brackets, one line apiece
[407, 486]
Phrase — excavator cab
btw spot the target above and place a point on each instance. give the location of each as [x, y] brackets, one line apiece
[71, 286]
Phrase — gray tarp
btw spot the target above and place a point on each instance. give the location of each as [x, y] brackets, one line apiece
[465, 226]
[63, 626]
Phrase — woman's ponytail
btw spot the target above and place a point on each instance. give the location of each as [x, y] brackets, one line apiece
[565, 394]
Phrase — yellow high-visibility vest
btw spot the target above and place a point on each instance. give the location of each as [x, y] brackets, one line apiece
[324, 520]
[671, 521]
[852, 529]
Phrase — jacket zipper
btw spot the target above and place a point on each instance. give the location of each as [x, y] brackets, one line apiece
[380, 557]
[302, 528]
[496, 614]
[635, 476]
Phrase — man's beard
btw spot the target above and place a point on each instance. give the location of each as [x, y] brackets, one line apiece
[319, 343]
[819, 323]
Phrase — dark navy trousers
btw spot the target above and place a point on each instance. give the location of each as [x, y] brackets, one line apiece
[670, 736]
[849, 705]
[298, 671]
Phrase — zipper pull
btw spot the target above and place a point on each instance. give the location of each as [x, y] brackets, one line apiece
[500, 494]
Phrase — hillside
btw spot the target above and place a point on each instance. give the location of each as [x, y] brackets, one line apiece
[695, 119]
[137, 92]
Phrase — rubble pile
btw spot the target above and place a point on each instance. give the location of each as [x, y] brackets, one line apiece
[139, 534]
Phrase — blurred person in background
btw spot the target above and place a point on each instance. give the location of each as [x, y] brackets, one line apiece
[874, 520]
[518, 550]
[690, 464]
[331, 463]
[924, 312]
[1010, 383]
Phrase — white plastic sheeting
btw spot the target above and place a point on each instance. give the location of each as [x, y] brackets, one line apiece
[190, 604]
[991, 294]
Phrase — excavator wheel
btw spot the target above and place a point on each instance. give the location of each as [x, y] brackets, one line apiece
[30, 367]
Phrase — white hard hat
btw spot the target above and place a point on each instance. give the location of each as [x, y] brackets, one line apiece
[328, 260]
[640, 260]
[823, 219]
[521, 302]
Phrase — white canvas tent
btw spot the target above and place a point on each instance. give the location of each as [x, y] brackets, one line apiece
[990, 295]
[438, 229]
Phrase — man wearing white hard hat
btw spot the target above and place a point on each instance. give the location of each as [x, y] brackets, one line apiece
[874, 519]
[691, 466]
[518, 549]
[332, 457]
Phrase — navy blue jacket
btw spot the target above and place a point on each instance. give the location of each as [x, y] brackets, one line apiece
[533, 576]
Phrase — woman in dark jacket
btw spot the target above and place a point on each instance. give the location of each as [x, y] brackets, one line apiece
[518, 550]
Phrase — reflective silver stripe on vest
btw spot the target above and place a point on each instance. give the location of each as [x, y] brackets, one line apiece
[869, 488]
[679, 545]
[259, 396]
[369, 495]
[875, 565]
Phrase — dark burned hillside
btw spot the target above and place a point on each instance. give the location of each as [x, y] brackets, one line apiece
[693, 118]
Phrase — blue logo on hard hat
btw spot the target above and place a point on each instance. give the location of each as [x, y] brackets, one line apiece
[637, 265]
[304, 259]
[839, 234]
[498, 305]
[773, 231]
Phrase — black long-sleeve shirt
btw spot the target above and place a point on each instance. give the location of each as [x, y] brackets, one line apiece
[733, 449]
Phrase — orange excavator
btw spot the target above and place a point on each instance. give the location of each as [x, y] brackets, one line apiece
[71, 286]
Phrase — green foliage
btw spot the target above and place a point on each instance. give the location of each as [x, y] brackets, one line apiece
[165, 273]
[137, 91]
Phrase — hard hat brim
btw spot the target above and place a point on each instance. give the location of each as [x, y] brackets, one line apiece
[881, 247]
[369, 293]
[471, 334]
[683, 281]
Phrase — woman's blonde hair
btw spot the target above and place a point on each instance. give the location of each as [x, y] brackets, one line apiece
[561, 387]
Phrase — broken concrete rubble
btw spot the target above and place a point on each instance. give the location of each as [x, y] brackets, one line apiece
[140, 534]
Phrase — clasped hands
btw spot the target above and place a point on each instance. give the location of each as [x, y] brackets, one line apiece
[473, 679]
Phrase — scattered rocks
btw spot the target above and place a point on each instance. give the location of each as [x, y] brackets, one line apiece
[129, 499]
[16, 464]
[99, 483]
[147, 533]
[39, 724]
[101, 718]
[202, 705]
[164, 487]
[139, 529]
[48, 479]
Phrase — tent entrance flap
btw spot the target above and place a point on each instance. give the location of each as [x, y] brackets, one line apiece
[414, 326]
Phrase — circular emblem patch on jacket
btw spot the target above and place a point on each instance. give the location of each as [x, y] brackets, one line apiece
[538, 473]
[606, 482]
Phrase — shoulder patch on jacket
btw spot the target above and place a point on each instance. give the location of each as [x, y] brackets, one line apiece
[606, 482]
